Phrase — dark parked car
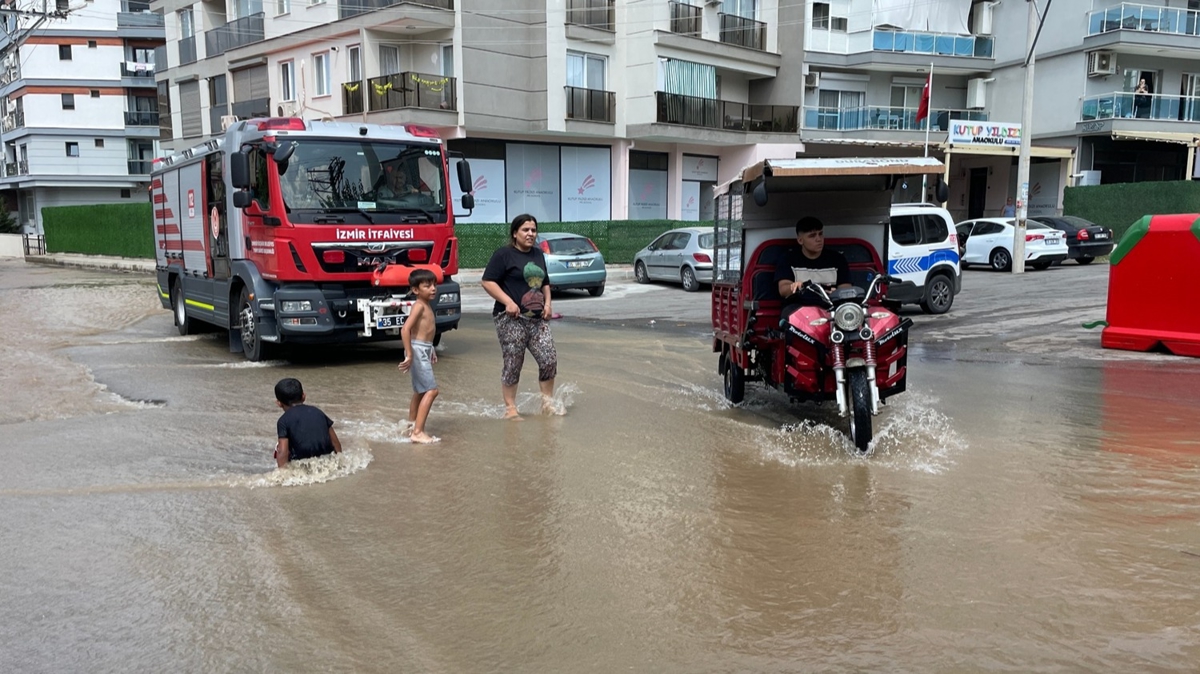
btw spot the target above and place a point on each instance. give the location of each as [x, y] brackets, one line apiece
[1086, 240]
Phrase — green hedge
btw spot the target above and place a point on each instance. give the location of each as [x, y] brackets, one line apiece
[1120, 205]
[124, 230]
[618, 240]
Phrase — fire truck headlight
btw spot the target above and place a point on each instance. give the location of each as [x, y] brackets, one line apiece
[448, 298]
[291, 307]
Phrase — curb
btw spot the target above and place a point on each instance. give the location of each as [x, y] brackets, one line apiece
[122, 264]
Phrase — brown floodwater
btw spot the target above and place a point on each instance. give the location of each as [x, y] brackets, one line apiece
[1020, 512]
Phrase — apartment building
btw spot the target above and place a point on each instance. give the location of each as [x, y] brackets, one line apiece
[568, 109]
[80, 111]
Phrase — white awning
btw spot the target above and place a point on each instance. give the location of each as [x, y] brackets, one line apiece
[1158, 136]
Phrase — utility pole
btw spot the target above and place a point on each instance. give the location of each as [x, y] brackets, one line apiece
[1018, 247]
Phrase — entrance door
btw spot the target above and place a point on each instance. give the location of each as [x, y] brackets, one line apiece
[977, 194]
[1189, 91]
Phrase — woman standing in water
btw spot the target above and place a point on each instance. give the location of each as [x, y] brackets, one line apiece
[516, 278]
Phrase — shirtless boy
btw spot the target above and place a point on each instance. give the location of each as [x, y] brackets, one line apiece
[419, 356]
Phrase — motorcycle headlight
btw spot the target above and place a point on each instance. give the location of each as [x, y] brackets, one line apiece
[295, 306]
[848, 317]
[449, 298]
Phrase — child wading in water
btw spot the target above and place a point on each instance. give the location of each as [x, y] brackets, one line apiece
[304, 431]
[419, 356]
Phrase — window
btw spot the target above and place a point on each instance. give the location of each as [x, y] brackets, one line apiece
[282, 7]
[585, 71]
[354, 56]
[648, 161]
[904, 230]
[260, 185]
[837, 24]
[389, 59]
[935, 229]
[99, 142]
[924, 228]
[91, 44]
[72, 149]
[64, 52]
[126, 194]
[820, 15]
[187, 26]
[68, 101]
[95, 93]
[743, 8]
[906, 96]
[321, 73]
[448, 60]
[287, 80]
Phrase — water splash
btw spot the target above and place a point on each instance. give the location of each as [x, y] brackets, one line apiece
[310, 471]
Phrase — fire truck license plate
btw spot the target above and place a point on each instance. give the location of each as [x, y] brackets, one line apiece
[386, 322]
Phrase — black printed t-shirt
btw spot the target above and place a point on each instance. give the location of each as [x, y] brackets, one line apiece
[828, 269]
[521, 276]
[307, 431]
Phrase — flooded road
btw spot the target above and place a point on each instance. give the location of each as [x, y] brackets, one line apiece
[1026, 509]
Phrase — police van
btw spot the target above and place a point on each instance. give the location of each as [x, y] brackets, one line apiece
[923, 253]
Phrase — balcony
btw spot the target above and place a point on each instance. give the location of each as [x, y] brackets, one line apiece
[885, 118]
[592, 105]
[411, 90]
[1148, 18]
[1131, 106]
[10, 73]
[139, 70]
[140, 167]
[16, 168]
[254, 107]
[725, 115]
[135, 14]
[686, 19]
[187, 50]
[236, 33]
[14, 120]
[141, 118]
[935, 44]
[352, 98]
[592, 13]
[349, 8]
[743, 32]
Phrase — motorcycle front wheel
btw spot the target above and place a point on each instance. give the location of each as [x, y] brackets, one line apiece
[860, 408]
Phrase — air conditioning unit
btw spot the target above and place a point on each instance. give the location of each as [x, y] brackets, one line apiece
[228, 121]
[982, 24]
[1101, 64]
[977, 93]
[812, 80]
[289, 109]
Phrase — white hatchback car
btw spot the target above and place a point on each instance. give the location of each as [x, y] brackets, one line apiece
[990, 241]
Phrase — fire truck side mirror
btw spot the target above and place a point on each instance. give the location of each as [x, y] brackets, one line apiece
[239, 170]
[283, 152]
[468, 202]
[242, 199]
[464, 178]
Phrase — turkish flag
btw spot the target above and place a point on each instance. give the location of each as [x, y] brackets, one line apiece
[923, 109]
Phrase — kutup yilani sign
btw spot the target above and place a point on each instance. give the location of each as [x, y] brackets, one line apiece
[984, 133]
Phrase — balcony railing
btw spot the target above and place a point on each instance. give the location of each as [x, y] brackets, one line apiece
[1150, 18]
[352, 98]
[349, 8]
[141, 118]
[594, 13]
[10, 74]
[140, 70]
[716, 114]
[937, 44]
[743, 32]
[686, 19]
[16, 168]
[187, 50]
[14, 120]
[135, 14]
[254, 107]
[140, 167]
[1127, 105]
[236, 33]
[411, 90]
[592, 105]
[885, 118]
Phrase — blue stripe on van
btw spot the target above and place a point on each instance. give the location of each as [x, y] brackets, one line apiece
[911, 265]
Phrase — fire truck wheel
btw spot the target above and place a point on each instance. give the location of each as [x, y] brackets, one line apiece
[252, 344]
[182, 322]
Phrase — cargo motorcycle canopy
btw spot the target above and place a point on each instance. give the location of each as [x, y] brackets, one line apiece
[830, 174]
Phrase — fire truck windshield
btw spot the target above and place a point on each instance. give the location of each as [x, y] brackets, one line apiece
[364, 176]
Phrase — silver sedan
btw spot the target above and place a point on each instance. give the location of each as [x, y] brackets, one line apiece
[683, 255]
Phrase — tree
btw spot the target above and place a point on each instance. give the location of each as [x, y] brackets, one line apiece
[8, 224]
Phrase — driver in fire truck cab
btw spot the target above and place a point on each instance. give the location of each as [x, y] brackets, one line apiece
[397, 183]
[810, 262]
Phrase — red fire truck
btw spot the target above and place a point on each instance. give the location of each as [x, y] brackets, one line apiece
[287, 231]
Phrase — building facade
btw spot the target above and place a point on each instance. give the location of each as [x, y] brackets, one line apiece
[568, 109]
[80, 109]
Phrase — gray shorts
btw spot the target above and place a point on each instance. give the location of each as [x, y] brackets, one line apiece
[422, 367]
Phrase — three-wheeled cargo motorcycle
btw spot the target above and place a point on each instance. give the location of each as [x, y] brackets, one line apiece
[845, 345]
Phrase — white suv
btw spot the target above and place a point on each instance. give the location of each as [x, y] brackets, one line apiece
[922, 251]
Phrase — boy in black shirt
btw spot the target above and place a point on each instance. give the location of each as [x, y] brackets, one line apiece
[304, 430]
[811, 262]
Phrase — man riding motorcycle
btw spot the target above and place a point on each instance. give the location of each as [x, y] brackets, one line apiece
[811, 262]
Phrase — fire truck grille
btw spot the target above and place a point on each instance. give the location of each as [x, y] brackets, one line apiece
[356, 259]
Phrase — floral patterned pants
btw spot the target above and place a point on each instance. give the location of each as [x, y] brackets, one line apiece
[518, 334]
